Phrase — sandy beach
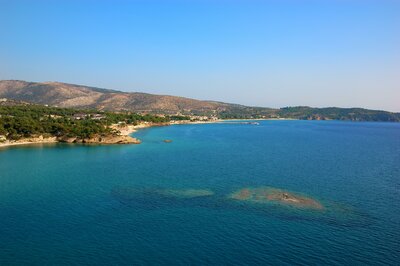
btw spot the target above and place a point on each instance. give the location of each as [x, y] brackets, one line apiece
[27, 141]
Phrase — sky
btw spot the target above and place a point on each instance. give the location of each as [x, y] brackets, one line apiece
[343, 53]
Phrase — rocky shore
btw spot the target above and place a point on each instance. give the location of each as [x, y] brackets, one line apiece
[122, 137]
[110, 139]
[125, 130]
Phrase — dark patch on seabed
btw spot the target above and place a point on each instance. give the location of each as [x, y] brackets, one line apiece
[155, 198]
[334, 214]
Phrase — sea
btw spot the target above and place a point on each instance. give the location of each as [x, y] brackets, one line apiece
[162, 203]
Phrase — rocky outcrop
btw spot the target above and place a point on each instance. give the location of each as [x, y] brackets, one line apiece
[111, 139]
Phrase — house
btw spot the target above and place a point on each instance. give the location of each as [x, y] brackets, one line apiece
[80, 116]
[97, 117]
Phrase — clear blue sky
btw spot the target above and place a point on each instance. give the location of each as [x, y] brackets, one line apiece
[266, 53]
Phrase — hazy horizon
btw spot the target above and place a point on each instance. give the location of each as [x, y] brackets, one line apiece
[257, 53]
[213, 100]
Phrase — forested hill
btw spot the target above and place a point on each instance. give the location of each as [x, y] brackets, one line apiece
[64, 95]
[334, 113]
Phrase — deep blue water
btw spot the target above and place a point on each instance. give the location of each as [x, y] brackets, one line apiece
[83, 205]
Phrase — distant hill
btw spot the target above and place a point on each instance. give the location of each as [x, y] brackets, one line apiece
[76, 96]
[335, 113]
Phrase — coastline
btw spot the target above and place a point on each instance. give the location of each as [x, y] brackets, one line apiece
[96, 139]
[27, 141]
[129, 129]
[101, 140]
[125, 132]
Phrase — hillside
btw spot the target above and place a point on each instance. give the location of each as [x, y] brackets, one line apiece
[83, 97]
[76, 96]
[335, 113]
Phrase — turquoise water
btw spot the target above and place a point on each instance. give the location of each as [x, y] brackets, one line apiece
[113, 205]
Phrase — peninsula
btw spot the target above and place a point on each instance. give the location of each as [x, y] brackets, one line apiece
[25, 123]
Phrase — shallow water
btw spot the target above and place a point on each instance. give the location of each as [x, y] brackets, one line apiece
[159, 203]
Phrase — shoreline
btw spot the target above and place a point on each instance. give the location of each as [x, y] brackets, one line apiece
[96, 139]
[27, 141]
[126, 131]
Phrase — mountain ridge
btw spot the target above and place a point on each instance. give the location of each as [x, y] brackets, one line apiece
[67, 95]
[79, 96]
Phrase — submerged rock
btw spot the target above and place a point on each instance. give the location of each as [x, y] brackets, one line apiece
[186, 193]
[131, 193]
[274, 195]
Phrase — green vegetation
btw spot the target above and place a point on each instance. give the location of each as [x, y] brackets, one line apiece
[21, 121]
[242, 112]
[25, 120]
[309, 113]
[334, 113]
[179, 117]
